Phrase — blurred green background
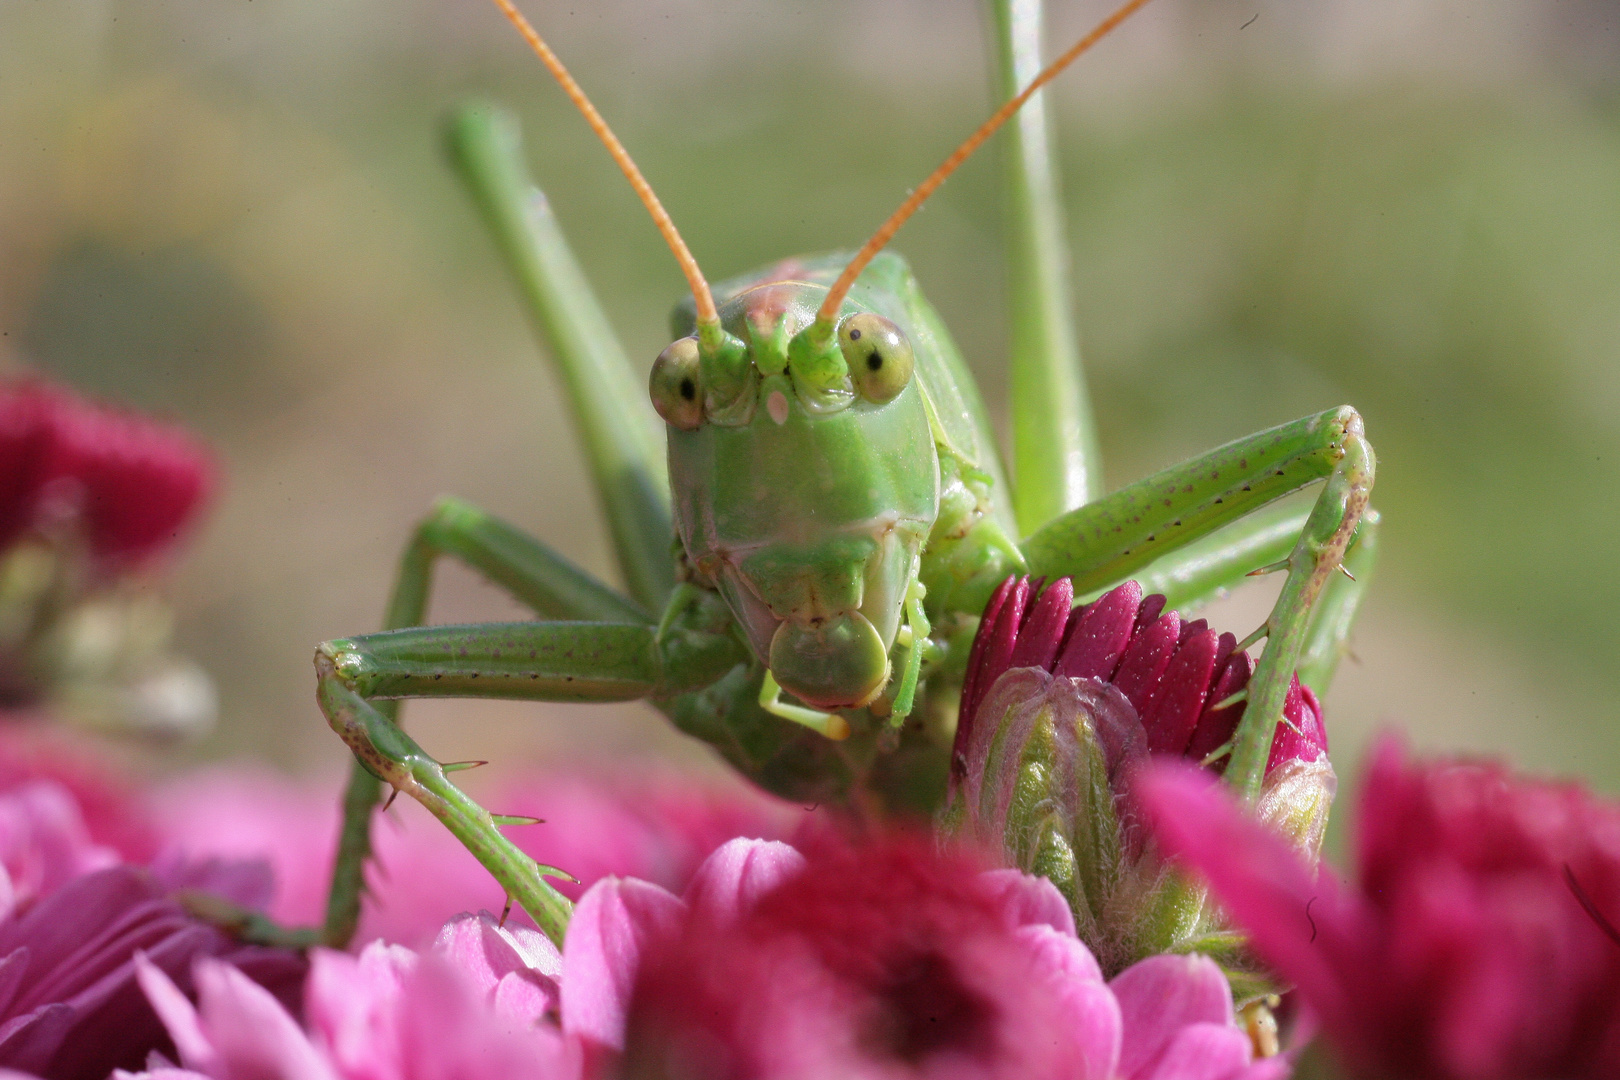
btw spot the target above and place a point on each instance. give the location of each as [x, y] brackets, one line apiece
[236, 214]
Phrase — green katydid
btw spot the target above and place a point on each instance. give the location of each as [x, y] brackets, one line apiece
[831, 515]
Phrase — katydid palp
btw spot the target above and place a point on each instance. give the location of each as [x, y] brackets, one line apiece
[829, 515]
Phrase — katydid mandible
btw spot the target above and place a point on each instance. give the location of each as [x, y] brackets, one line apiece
[806, 560]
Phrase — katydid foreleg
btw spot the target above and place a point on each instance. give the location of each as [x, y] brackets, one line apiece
[532, 573]
[554, 661]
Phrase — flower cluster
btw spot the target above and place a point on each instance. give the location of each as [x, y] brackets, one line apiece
[73, 918]
[1480, 940]
[887, 959]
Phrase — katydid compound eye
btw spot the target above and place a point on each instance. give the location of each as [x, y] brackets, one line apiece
[677, 392]
[878, 355]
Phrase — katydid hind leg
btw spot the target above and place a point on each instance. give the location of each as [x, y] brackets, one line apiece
[1056, 461]
[622, 439]
[503, 554]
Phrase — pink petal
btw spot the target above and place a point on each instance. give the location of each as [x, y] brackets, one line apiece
[352, 1006]
[252, 1034]
[1028, 900]
[1099, 637]
[1160, 996]
[1089, 1006]
[178, 1015]
[614, 923]
[488, 952]
[447, 1032]
[1308, 929]
[1202, 1051]
[737, 874]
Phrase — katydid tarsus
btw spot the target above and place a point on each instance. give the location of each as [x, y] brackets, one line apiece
[830, 515]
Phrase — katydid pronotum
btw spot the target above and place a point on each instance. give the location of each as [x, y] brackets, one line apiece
[831, 516]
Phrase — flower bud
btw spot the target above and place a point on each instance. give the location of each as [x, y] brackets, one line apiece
[1061, 704]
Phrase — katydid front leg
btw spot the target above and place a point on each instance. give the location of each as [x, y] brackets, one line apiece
[691, 649]
[1107, 540]
[533, 573]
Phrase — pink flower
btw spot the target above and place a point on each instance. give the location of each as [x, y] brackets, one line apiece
[890, 959]
[113, 813]
[127, 484]
[70, 1008]
[43, 844]
[657, 825]
[468, 1009]
[1173, 673]
[1479, 943]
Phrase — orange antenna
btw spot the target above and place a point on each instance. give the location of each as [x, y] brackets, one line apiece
[708, 318]
[880, 239]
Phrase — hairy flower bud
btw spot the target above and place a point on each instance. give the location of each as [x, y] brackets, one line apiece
[1061, 705]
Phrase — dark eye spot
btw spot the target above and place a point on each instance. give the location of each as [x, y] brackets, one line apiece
[854, 335]
[688, 389]
[874, 362]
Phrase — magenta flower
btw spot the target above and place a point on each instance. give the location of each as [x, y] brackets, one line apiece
[1480, 940]
[128, 485]
[653, 824]
[70, 1008]
[1174, 674]
[890, 959]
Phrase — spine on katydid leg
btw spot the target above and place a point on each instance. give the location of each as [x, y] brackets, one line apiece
[1061, 703]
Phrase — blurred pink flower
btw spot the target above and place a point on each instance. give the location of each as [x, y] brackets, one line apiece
[127, 484]
[43, 844]
[1173, 673]
[468, 1009]
[885, 959]
[113, 812]
[1480, 942]
[652, 824]
[70, 1008]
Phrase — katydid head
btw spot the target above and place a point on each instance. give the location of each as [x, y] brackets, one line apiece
[801, 453]
[804, 483]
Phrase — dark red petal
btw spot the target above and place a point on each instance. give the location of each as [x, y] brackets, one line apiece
[1145, 660]
[1099, 638]
[981, 642]
[1215, 726]
[1300, 734]
[1149, 611]
[1042, 632]
[999, 635]
[1175, 707]
[1188, 629]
